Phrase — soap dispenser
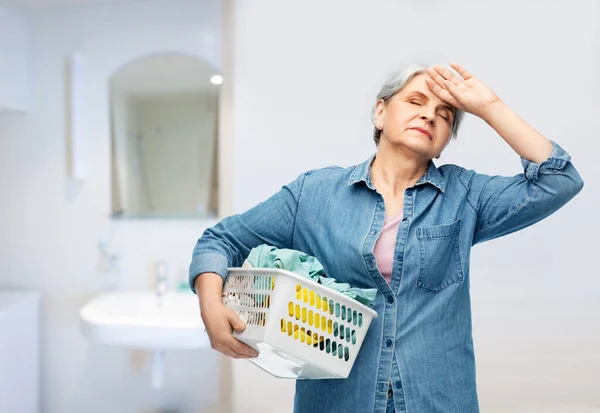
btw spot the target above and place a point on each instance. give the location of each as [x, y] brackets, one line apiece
[183, 284]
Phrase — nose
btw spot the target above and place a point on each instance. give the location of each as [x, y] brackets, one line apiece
[428, 114]
[427, 119]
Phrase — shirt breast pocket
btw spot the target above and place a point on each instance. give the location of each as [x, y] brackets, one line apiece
[440, 264]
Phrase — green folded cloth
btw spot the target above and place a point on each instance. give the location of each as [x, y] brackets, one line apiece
[266, 256]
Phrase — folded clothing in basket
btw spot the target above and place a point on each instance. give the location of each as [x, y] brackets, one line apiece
[267, 256]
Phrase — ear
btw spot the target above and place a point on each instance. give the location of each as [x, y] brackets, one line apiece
[379, 110]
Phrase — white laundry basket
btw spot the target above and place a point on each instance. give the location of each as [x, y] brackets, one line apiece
[302, 329]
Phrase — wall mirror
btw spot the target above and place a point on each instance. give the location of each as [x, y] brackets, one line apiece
[164, 129]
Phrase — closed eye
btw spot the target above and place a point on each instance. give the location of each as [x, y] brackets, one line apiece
[446, 117]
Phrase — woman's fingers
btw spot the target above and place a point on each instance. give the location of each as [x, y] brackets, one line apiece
[229, 353]
[220, 322]
[230, 346]
[441, 92]
[240, 348]
[236, 349]
[236, 323]
[464, 73]
[227, 344]
[441, 74]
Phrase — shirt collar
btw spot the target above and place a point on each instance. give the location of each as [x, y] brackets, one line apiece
[362, 172]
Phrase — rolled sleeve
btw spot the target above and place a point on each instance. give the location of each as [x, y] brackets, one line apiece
[207, 262]
[557, 161]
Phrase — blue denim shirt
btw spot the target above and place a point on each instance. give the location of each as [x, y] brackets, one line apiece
[421, 341]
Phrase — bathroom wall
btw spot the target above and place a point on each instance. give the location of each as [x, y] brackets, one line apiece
[50, 228]
[14, 55]
[306, 76]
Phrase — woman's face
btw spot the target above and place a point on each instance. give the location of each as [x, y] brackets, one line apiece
[416, 106]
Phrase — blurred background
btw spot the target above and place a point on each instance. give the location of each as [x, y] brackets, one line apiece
[129, 127]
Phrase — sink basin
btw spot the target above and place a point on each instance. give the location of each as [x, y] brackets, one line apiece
[133, 319]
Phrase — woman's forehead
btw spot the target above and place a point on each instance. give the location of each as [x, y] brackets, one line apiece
[417, 84]
[418, 87]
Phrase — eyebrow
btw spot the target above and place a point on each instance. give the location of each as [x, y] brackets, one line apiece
[422, 95]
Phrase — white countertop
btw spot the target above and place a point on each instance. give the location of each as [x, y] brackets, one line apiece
[9, 298]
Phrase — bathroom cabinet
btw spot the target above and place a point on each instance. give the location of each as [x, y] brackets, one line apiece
[19, 351]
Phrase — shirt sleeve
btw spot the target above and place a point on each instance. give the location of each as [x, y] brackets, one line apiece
[229, 242]
[506, 204]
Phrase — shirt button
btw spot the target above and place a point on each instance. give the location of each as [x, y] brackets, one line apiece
[398, 384]
[372, 232]
[390, 299]
[388, 342]
[409, 193]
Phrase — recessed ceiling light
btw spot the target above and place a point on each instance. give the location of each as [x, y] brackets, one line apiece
[216, 80]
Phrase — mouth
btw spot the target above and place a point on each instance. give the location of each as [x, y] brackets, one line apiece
[423, 131]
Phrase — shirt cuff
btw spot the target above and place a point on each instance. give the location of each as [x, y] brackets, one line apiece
[557, 161]
[208, 262]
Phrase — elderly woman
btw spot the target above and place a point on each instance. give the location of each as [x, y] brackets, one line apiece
[400, 224]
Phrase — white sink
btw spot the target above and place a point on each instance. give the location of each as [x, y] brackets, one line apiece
[136, 320]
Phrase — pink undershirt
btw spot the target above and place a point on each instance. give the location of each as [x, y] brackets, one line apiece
[385, 246]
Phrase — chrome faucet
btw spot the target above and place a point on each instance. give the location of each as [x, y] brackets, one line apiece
[162, 282]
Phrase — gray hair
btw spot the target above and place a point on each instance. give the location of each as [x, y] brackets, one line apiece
[396, 82]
